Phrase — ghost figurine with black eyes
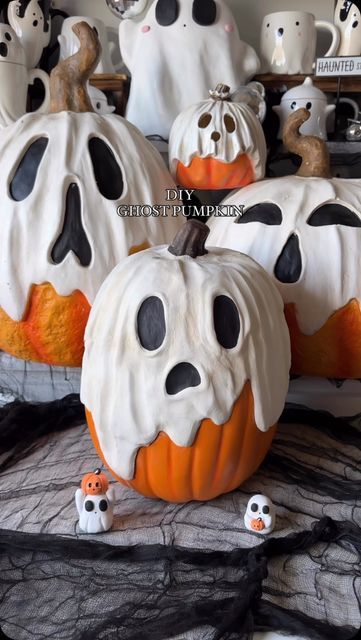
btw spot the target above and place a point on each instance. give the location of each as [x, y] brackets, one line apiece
[348, 21]
[260, 516]
[30, 20]
[175, 53]
[95, 502]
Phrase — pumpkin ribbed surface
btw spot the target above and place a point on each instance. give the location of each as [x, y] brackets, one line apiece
[220, 459]
[334, 351]
[209, 173]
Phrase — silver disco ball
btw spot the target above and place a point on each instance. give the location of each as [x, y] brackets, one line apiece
[126, 8]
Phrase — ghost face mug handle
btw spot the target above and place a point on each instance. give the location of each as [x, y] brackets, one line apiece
[35, 74]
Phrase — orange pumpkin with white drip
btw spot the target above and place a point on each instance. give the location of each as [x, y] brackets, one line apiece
[305, 230]
[217, 144]
[62, 177]
[189, 352]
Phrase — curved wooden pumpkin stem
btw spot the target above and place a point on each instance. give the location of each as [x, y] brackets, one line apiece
[68, 81]
[313, 150]
[190, 240]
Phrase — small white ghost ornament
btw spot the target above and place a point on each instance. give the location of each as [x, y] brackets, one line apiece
[260, 516]
[95, 503]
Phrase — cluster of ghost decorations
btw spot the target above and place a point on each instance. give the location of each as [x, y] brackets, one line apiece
[95, 504]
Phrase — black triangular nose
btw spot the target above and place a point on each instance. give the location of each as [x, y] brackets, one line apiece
[73, 237]
[288, 267]
[3, 50]
[182, 376]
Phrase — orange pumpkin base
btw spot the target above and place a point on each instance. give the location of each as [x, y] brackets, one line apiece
[220, 459]
[52, 330]
[332, 352]
[209, 173]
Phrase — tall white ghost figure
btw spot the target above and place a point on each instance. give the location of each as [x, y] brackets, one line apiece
[176, 53]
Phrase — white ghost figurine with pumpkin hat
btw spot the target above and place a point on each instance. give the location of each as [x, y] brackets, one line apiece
[177, 52]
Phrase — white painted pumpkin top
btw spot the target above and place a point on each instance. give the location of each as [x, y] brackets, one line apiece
[331, 254]
[29, 229]
[189, 140]
[174, 66]
[124, 385]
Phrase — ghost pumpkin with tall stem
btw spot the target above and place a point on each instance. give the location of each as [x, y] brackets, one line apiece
[305, 230]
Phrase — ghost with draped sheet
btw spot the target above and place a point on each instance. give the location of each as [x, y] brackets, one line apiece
[176, 53]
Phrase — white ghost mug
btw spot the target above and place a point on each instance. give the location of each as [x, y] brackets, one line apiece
[69, 43]
[15, 79]
[348, 21]
[289, 40]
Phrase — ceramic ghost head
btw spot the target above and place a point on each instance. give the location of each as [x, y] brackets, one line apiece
[30, 20]
[127, 8]
[260, 516]
[348, 20]
[173, 54]
[11, 49]
[99, 101]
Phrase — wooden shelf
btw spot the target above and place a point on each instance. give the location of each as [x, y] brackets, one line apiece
[118, 84]
[349, 84]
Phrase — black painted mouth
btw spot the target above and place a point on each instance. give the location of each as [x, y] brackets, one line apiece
[4, 50]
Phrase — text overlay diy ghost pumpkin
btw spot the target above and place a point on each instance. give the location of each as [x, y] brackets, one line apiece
[305, 230]
[62, 177]
[186, 368]
[177, 52]
[217, 144]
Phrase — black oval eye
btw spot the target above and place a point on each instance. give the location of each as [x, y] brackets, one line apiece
[294, 105]
[297, 24]
[151, 324]
[268, 25]
[254, 507]
[204, 120]
[103, 505]
[266, 213]
[330, 214]
[108, 175]
[98, 106]
[204, 12]
[8, 37]
[89, 505]
[230, 123]
[166, 12]
[24, 179]
[97, 484]
[226, 322]
[265, 510]
[89, 484]
[309, 105]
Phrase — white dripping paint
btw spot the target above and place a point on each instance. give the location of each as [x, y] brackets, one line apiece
[124, 386]
[331, 255]
[188, 140]
[29, 229]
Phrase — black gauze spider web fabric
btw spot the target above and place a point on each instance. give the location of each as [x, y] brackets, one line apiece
[205, 578]
[154, 592]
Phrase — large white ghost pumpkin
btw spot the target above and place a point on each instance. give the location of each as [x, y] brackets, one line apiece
[186, 368]
[305, 230]
[217, 144]
[176, 52]
[62, 177]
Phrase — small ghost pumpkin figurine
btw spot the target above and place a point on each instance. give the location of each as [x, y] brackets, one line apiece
[217, 144]
[260, 516]
[95, 502]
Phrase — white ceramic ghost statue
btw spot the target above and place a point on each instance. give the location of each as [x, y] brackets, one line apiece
[348, 20]
[95, 511]
[260, 516]
[32, 26]
[99, 101]
[177, 52]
